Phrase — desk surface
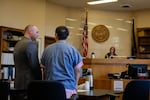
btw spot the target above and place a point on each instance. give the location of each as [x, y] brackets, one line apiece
[97, 92]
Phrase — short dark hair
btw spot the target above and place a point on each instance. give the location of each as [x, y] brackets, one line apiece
[62, 32]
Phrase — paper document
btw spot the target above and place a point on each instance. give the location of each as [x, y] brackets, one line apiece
[118, 85]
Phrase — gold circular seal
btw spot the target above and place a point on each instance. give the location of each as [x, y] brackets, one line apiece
[100, 33]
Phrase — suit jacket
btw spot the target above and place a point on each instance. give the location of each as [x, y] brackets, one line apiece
[26, 63]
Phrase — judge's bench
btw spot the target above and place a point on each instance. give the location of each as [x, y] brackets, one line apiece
[107, 72]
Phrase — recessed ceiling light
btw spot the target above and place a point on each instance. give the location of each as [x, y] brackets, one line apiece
[126, 6]
[100, 2]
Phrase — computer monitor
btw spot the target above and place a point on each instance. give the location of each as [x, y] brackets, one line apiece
[135, 69]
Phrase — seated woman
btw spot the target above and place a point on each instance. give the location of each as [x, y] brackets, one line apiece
[111, 53]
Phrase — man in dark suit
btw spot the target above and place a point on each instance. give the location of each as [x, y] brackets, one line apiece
[26, 58]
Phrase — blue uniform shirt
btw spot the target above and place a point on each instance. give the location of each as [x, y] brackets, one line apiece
[59, 60]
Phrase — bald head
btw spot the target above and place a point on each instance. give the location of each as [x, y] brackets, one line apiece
[31, 32]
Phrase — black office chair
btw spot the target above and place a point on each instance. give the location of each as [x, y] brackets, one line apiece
[137, 90]
[46, 90]
[4, 90]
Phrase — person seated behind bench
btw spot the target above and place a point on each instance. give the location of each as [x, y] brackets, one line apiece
[111, 53]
